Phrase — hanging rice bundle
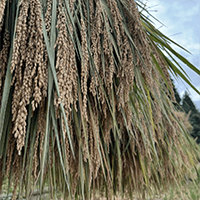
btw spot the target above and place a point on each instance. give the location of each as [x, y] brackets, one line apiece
[86, 100]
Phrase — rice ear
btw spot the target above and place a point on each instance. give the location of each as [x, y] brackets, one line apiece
[90, 102]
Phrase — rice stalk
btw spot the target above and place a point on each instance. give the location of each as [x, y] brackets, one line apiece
[87, 90]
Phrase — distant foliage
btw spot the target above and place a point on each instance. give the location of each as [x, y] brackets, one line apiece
[187, 105]
[194, 116]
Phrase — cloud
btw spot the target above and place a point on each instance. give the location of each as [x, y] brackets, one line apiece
[180, 11]
[194, 95]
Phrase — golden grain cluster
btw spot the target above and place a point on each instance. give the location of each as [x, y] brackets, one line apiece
[109, 88]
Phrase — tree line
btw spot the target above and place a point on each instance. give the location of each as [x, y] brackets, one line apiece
[185, 104]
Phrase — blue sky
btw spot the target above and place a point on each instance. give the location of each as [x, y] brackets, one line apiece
[182, 24]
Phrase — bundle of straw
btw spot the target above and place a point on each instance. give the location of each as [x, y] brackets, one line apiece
[86, 100]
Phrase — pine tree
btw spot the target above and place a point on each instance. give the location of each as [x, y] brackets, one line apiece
[194, 115]
[195, 121]
[188, 105]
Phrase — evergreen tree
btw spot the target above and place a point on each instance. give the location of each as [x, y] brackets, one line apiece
[195, 122]
[189, 107]
[187, 104]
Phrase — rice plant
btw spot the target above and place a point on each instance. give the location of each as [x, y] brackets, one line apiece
[86, 101]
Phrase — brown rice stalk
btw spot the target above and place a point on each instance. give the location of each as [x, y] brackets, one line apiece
[87, 92]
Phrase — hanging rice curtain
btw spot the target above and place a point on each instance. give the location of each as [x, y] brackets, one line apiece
[87, 95]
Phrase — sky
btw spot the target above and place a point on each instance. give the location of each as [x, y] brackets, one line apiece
[182, 24]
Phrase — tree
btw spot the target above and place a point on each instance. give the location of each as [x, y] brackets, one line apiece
[188, 105]
[83, 102]
[194, 116]
[195, 121]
